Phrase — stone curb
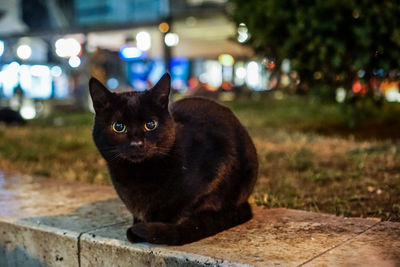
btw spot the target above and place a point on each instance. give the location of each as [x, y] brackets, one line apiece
[31, 244]
[123, 253]
[25, 243]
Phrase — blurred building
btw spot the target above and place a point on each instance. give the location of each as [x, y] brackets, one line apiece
[49, 48]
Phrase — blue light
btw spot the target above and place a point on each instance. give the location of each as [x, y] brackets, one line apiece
[179, 73]
[131, 53]
[112, 83]
[1, 47]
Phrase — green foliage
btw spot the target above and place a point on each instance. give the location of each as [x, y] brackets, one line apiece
[359, 109]
[334, 38]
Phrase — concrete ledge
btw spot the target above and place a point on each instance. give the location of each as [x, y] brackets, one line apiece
[47, 222]
[30, 244]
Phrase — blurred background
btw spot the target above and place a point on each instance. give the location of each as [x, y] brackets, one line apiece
[49, 49]
[336, 51]
[316, 83]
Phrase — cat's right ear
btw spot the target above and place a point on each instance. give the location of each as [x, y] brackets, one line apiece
[160, 91]
[101, 97]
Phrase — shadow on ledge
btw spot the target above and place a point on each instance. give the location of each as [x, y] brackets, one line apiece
[18, 257]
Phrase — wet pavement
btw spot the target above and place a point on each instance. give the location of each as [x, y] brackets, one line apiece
[60, 223]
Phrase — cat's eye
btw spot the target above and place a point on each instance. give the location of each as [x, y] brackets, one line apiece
[119, 127]
[150, 125]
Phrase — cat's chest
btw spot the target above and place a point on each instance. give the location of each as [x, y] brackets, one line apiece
[144, 196]
[136, 202]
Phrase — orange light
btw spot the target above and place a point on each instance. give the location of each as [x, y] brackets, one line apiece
[210, 88]
[226, 86]
[271, 65]
[193, 83]
[163, 27]
[359, 88]
[386, 85]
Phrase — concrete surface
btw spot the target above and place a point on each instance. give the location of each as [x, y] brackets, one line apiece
[46, 222]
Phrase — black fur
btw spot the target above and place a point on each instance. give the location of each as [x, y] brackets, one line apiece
[193, 174]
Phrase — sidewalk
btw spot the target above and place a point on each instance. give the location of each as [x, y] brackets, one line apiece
[45, 222]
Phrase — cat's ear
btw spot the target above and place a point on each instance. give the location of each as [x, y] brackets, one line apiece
[101, 97]
[160, 91]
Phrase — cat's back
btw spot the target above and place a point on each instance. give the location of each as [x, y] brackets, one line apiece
[203, 112]
[205, 126]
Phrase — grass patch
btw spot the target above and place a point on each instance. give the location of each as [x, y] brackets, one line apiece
[309, 159]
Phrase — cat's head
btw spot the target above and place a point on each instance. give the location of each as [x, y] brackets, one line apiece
[132, 126]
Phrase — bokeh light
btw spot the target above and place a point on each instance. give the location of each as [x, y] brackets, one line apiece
[112, 83]
[240, 72]
[340, 95]
[130, 53]
[226, 60]
[243, 33]
[163, 27]
[74, 62]
[253, 78]
[56, 71]
[28, 112]
[171, 39]
[39, 70]
[68, 47]
[1, 47]
[143, 41]
[24, 51]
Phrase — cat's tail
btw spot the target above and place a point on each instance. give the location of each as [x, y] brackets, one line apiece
[196, 227]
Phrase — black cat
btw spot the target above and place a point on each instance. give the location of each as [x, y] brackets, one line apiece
[185, 170]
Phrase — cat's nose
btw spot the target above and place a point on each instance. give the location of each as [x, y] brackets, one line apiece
[136, 143]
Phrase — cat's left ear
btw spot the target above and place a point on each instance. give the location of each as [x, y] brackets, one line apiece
[160, 91]
[101, 97]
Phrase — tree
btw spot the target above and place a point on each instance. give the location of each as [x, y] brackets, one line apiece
[329, 41]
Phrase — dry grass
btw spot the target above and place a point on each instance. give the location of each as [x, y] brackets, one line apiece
[334, 175]
[59, 147]
[310, 160]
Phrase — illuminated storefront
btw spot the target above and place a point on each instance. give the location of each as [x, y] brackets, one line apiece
[130, 43]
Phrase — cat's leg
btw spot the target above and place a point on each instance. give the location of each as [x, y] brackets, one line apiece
[193, 228]
[131, 237]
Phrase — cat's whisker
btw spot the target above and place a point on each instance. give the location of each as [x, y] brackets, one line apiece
[116, 156]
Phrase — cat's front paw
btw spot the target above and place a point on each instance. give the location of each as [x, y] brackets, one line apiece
[132, 237]
[156, 233]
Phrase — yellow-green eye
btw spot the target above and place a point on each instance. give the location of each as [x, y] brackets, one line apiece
[150, 125]
[119, 127]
